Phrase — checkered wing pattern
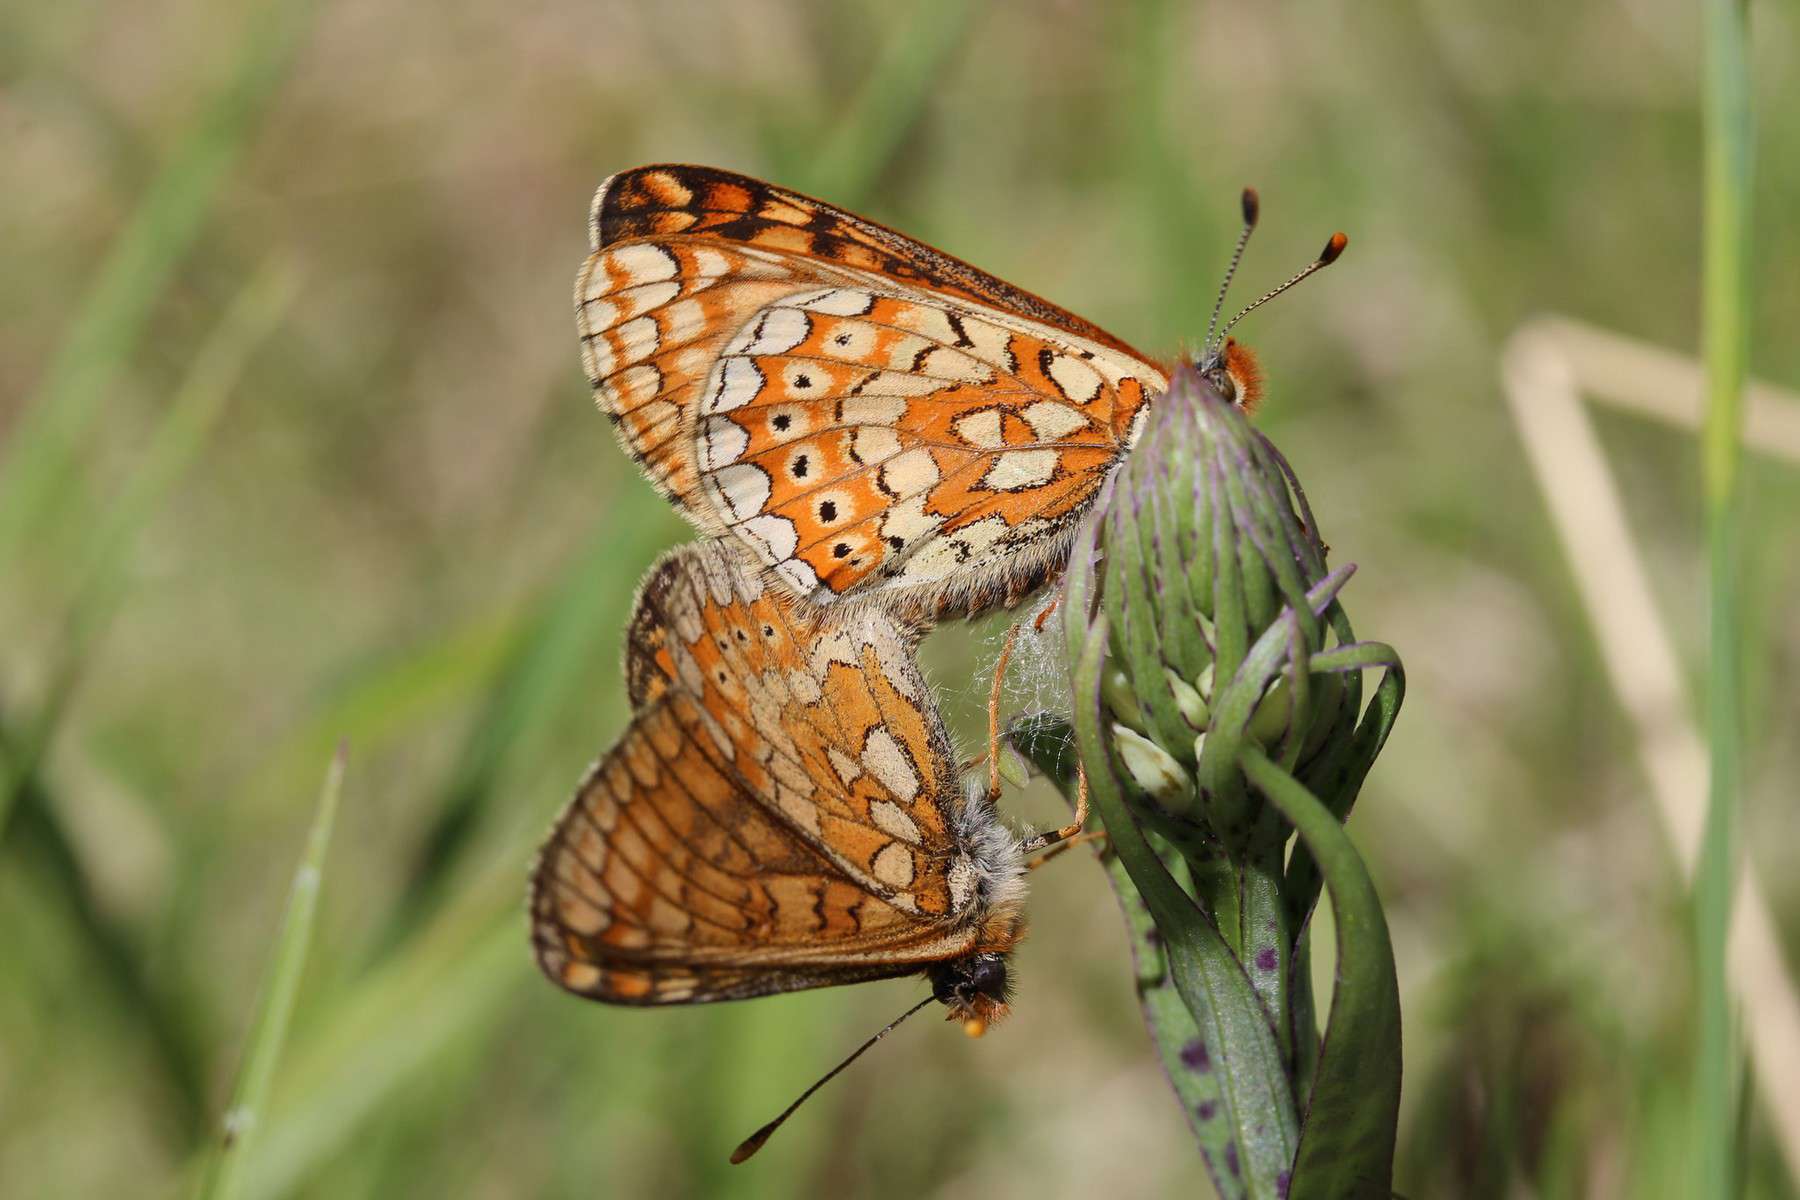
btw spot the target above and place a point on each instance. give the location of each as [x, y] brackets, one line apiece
[869, 417]
[782, 813]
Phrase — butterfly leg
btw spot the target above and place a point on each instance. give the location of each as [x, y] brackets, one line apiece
[1080, 839]
[1060, 837]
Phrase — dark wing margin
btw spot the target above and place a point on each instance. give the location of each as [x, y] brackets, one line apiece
[672, 200]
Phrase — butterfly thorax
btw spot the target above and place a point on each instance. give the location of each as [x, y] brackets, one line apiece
[987, 877]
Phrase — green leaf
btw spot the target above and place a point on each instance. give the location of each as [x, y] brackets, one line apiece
[1347, 1138]
[1341, 786]
[1049, 744]
[1257, 1122]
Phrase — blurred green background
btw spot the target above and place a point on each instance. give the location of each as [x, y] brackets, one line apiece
[294, 447]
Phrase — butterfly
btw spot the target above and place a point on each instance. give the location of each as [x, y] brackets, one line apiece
[783, 812]
[870, 418]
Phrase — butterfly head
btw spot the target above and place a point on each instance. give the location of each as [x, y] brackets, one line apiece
[975, 988]
[1235, 374]
[1226, 362]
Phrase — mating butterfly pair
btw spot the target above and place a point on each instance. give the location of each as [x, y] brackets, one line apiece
[873, 435]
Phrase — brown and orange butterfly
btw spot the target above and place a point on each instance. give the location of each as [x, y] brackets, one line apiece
[784, 812]
[868, 417]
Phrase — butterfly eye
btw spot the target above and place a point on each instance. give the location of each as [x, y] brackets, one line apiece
[1221, 380]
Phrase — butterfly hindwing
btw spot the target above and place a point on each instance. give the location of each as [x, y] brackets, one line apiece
[783, 811]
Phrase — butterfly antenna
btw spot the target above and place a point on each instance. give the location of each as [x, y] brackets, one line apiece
[1327, 256]
[754, 1142]
[1251, 206]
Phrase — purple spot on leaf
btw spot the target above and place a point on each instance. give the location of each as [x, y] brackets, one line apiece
[1265, 959]
[1195, 1057]
[1206, 1110]
[1282, 1179]
[1231, 1158]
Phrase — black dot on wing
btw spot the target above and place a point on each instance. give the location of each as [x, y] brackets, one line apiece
[827, 510]
[803, 381]
[898, 543]
[841, 550]
[768, 631]
[782, 421]
[799, 467]
[843, 339]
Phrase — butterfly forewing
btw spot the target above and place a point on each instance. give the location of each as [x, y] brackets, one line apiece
[669, 200]
[868, 416]
[783, 811]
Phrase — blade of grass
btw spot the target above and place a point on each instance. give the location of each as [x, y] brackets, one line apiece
[380, 698]
[192, 416]
[268, 1029]
[1725, 334]
[551, 661]
[1180, 221]
[1543, 375]
[39, 462]
[447, 985]
[864, 139]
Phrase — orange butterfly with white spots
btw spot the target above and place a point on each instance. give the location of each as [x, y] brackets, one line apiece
[868, 417]
[784, 812]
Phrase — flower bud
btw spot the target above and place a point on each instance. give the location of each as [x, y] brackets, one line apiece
[1213, 581]
[1157, 774]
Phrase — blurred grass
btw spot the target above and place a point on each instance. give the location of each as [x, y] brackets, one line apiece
[39, 464]
[402, 524]
[1725, 244]
[98, 590]
[99, 585]
[539, 678]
